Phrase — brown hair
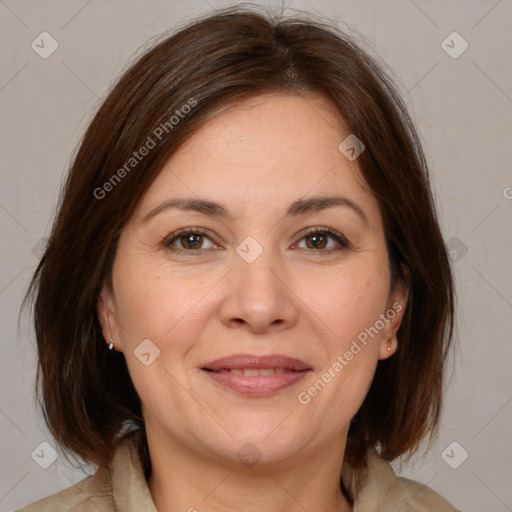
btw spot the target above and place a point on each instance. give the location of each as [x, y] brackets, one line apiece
[85, 391]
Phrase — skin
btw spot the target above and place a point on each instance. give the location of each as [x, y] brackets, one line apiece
[298, 298]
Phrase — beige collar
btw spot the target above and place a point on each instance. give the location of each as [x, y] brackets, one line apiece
[374, 486]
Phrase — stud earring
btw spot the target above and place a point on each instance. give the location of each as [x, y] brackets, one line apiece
[111, 346]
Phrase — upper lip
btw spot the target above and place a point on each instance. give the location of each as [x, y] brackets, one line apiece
[255, 361]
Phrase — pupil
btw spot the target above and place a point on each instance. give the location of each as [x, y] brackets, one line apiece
[192, 240]
[318, 240]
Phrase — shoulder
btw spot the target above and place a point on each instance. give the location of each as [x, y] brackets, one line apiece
[121, 486]
[416, 496]
[92, 494]
[374, 485]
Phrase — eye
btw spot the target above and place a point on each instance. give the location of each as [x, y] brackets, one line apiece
[324, 240]
[191, 240]
[196, 241]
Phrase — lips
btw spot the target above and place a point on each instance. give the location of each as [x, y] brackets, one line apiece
[253, 375]
[249, 361]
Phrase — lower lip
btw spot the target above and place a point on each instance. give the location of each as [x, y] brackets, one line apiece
[257, 385]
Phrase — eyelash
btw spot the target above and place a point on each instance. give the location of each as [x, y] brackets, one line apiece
[343, 242]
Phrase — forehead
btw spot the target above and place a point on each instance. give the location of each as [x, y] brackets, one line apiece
[270, 150]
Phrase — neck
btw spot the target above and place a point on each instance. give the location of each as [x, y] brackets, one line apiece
[185, 480]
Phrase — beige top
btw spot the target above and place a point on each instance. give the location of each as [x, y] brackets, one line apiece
[374, 487]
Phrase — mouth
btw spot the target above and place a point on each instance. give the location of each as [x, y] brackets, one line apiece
[252, 375]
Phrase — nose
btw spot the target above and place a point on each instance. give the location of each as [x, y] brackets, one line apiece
[257, 297]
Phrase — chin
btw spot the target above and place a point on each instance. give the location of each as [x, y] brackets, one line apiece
[260, 442]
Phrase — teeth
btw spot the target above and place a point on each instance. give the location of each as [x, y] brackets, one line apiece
[253, 372]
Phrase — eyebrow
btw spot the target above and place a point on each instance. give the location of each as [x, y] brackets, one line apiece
[299, 207]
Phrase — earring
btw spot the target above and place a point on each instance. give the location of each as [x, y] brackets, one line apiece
[389, 346]
[111, 346]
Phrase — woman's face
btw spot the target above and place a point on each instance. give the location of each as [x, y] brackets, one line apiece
[292, 262]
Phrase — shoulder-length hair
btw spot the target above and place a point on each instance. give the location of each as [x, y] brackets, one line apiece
[85, 391]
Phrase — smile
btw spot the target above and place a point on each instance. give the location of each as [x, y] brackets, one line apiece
[256, 374]
[256, 382]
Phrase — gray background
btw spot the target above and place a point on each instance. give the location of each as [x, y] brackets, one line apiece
[463, 109]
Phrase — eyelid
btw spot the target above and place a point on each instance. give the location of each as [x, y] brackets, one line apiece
[342, 240]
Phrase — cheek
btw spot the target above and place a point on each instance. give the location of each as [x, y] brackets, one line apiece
[167, 308]
[345, 302]
[159, 303]
[350, 304]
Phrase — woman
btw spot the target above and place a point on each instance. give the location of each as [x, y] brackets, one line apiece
[248, 227]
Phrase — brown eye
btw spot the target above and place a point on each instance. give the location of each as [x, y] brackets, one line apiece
[317, 241]
[323, 241]
[191, 241]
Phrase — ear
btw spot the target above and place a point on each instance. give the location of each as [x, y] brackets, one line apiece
[392, 317]
[105, 309]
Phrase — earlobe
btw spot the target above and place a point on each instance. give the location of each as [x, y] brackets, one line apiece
[388, 348]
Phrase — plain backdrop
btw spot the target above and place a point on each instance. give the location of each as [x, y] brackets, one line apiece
[462, 106]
